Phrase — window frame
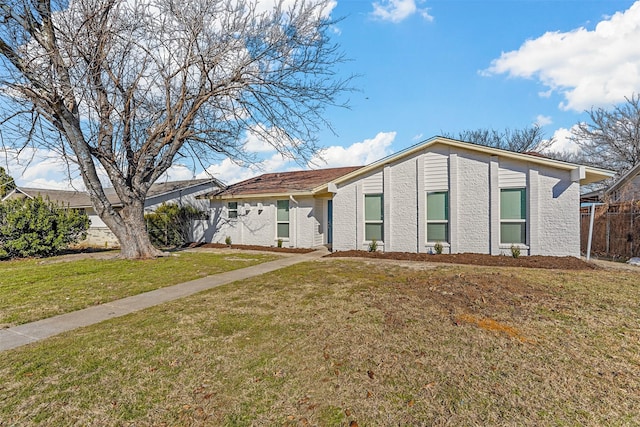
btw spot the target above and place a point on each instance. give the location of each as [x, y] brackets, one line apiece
[232, 213]
[376, 222]
[280, 222]
[445, 221]
[522, 220]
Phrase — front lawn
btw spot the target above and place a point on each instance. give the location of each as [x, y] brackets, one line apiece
[36, 289]
[350, 342]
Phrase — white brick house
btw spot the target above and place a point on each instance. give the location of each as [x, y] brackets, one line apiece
[467, 197]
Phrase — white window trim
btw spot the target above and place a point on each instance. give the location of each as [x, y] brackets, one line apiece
[447, 242]
[288, 222]
[230, 210]
[376, 221]
[521, 245]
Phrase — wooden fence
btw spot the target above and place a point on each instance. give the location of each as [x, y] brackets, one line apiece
[616, 230]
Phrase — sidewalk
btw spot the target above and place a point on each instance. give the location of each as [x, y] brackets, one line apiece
[31, 332]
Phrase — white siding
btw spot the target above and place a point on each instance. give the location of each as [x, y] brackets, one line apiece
[436, 172]
[401, 200]
[512, 174]
[473, 180]
[472, 231]
[256, 223]
[319, 209]
[559, 215]
[373, 184]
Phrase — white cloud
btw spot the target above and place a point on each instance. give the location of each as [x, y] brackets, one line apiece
[398, 10]
[44, 170]
[588, 67]
[256, 144]
[177, 172]
[40, 168]
[359, 153]
[543, 120]
[268, 5]
[229, 172]
[563, 143]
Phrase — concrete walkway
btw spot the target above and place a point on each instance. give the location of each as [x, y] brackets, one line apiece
[45, 328]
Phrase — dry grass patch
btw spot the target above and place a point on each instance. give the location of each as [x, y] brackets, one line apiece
[339, 341]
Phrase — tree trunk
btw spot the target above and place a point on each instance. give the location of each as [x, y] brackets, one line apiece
[132, 233]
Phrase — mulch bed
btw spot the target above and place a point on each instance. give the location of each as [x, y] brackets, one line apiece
[536, 261]
[252, 248]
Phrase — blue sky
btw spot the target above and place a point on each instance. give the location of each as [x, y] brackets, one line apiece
[442, 66]
[425, 76]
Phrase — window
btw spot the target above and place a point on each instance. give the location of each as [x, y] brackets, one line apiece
[373, 217]
[232, 209]
[282, 219]
[438, 216]
[513, 215]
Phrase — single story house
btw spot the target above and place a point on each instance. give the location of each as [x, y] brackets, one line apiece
[179, 192]
[463, 196]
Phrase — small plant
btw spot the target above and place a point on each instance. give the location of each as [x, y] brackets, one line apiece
[515, 251]
[438, 248]
[227, 241]
[279, 243]
[373, 245]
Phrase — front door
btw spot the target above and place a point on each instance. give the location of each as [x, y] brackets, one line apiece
[329, 222]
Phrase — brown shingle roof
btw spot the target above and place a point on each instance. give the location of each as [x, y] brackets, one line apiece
[80, 199]
[66, 198]
[285, 182]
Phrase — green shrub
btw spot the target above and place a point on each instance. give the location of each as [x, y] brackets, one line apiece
[515, 251]
[170, 224]
[227, 241]
[37, 227]
[373, 245]
[438, 248]
[279, 243]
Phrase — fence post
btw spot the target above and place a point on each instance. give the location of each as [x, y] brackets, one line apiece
[608, 233]
[593, 208]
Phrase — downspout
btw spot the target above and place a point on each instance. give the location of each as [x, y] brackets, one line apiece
[590, 238]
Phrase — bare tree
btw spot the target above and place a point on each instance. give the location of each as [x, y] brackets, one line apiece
[612, 138]
[530, 139]
[122, 87]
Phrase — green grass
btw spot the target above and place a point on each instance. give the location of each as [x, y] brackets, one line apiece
[330, 342]
[36, 289]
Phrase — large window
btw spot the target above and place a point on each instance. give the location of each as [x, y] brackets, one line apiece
[232, 209]
[373, 217]
[438, 216]
[282, 219]
[513, 215]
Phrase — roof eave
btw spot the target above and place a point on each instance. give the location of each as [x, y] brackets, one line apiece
[213, 181]
[591, 174]
[260, 195]
[624, 179]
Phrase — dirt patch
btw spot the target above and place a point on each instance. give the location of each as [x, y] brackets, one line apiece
[536, 261]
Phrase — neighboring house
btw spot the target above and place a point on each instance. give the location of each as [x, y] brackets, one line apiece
[624, 189]
[179, 192]
[468, 197]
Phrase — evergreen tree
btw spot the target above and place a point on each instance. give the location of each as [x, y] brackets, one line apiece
[6, 183]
